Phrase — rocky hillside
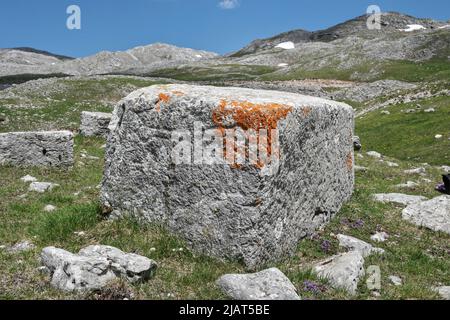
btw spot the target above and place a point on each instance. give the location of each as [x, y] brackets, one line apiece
[347, 51]
[15, 62]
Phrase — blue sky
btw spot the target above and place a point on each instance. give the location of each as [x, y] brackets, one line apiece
[200, 24]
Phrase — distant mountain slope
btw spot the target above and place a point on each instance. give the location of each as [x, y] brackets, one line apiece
[31, 61]
[391, 22]
[45, 53]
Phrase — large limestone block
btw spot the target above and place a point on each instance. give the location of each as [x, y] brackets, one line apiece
[95, 124]
[52, 148]
[255, 211]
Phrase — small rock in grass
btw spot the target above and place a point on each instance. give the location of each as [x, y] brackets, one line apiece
[270, 284]
[374, 154]
[42, 187]
[407, 185]
[379, 237]
[354, 244]
[360, 169]
[444, 292]
[415, 171]
[433, 214]
[80, 233]
[430, 110]
[21, 247]
[438, 136]
[391, 164]
[343, 270]
[397, 281]
[28, 179]
[49, 208]
[398, 198]
[385, 112]
[94, 267]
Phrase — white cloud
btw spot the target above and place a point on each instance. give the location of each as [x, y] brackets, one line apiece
[229, 4]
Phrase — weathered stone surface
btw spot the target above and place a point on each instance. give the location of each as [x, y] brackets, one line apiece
[398, 198]
[415, 171]
[131, 266]
[354, 244]
[379, 237]
[53, 148]
[28, 179]
[433, 214]
[343, 270]
[374, 154]
[95, 124]
[94, 267]
[42, 187]
[70, 272]
[270, 284]
[21, 247]
[397, 281]
[444, 292]
[49, 208]
[225, 210]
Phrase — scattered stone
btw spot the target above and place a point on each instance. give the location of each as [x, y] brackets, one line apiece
[49, 208]
[444, 292]
[355, 244]
[256, 223]
[42, 187]
[360, 169]
[430, 110]
[398, 198]
[357, 143]
[446, 168]
[80, 233]
[133, 267]
[95, 124]
[438, 136]
[28, 179]
[376, 294]
[379, 237]
[433, 214]
[391, 164]
[343, 270]
[385, 112]
[43, 149]
[374, 154]
[415, 171]
[397, 281]
[21, 247]
[270, 284]
[407, 185]
[94, 267]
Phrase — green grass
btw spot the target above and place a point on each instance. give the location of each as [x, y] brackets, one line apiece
[62, 109]
[409, 136]
[403, 70]
[214, 73]
[419, 256]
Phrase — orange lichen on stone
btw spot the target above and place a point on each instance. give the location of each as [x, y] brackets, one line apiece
[163, 98]
[306, 111]
[248, 115]
[349, 161]
[178, 93]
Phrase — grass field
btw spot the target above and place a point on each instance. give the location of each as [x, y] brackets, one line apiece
[419, 256]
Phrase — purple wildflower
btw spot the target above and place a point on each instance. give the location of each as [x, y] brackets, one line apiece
[325, 245]
[315, 288]
[358, 224]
